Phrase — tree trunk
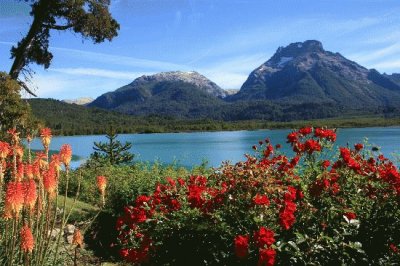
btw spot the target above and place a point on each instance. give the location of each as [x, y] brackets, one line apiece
[25, 45]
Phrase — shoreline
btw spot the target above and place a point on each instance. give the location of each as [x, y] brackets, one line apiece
[256, 125]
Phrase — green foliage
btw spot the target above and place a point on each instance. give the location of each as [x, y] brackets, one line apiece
[91, 19]
[14, 112]
[72, 119]
[125, 181]
[112, 152]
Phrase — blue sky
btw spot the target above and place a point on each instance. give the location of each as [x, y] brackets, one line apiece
[221, 39]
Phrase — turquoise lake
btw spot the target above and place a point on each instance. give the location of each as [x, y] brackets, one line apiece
[189, 149]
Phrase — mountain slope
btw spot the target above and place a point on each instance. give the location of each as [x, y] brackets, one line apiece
[306, 73]
[178, 94]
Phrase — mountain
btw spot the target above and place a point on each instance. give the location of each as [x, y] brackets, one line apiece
[79, 101]
[304, 72]
[300, 81]
[394, 78]
[178, 94]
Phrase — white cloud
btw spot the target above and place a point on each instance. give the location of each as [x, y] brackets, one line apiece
[61, 86]
[389, 65]
[371, 56]
[231, 73]
[104, 73]
[120, 60]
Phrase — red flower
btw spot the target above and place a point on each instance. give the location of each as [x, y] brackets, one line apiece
[312, 145]
[295, 161]
[45, 134]
[305, 130]
[241, 246]
[292, 137]
[30, 194]
[268, 150]
[261, 200]
[394, 248]
[325, 133]
[27, 240]
[358, 146]
[101, 184]
[267, 257]
[350, 215]
[66, 154]
[264, 237]
[50, 182]
[326, 163]
[4, 149]
[14, 199]
[195, 196]
[286, 219]
[140, 200]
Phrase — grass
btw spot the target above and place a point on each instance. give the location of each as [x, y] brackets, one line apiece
[80, 211]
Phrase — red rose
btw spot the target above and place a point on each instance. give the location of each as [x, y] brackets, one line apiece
[241, 246]
[358, 146]
[394, 248]
[292, 137]
[264, 237]
[350, 215]
[305, 130]
[261, 200]
[267, 257]
[286, 219]
[326, 163]
[312, 145]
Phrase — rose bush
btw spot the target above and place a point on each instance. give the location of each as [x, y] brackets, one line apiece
[315, 207]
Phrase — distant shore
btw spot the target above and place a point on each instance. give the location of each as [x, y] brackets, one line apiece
[180, 126]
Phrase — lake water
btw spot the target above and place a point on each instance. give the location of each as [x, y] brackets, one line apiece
[189, 149]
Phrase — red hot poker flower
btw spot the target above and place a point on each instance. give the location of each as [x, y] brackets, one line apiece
[66, 154]
[30, 193]
[45, 134]
[77, 238]
[50, 182]
[4, 149]
[102, 184]
[14, 197]
[27, 240]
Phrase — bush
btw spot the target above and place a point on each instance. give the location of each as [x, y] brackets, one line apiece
[315, 208]
[126, 182]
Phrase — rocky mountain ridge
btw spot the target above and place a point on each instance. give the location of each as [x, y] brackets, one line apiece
[301, 75]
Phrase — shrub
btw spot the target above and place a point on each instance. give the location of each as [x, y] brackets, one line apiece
[309, 209]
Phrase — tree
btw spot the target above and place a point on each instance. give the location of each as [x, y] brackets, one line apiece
[14, 113]
[113, 152]
[90, 18]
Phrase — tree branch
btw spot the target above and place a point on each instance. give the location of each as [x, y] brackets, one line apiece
[59, 27]
[23, 85]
